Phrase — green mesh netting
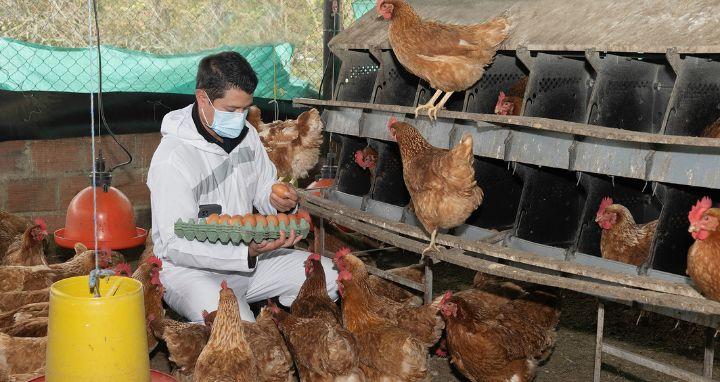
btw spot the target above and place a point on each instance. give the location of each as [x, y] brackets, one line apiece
[360, 7]
[31, 67]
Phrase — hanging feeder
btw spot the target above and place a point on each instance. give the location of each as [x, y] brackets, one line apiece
[115, 216]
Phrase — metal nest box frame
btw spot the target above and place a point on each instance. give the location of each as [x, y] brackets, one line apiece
[617, 95]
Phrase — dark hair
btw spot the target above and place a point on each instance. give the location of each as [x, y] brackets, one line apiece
[225, 70]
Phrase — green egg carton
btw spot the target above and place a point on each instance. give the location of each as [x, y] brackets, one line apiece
[198, 229]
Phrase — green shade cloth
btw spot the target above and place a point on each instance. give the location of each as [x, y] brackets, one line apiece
[31, 67]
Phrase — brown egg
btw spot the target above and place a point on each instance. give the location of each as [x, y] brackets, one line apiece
[272, 219]
[237, 220]
[280, 189]
[249, 218]
[213, 219]
[261, 220]
[304, 215]
[224, 218]
[283, 218]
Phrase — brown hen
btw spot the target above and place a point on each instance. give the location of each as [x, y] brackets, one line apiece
[387, 350]
[148, 274]
[10, 226]
[330, 356]
[492, 338]
[367, 159]
[28, 248]
[441, 182]
[293, 145]
[23, 358]
[703, 266]
[272, 357]
[451, 58]
[622, 239]
[16, 315]
[84, 261]
[511, 104]
[313, 301]
[13, 300]
[712, 131]
[423, 322]
[227, 357]
[27, 278]
[184, 340]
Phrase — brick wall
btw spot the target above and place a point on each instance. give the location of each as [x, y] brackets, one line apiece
[39, 178]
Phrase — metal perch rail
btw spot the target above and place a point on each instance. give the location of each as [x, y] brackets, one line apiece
[464, 253]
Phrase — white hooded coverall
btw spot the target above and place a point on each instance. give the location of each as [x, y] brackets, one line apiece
[187, 171]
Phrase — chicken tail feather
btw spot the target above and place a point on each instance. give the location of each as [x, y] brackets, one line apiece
[494, 31]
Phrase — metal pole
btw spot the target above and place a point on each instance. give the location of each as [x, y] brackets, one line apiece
[331, 24]
[709, 352]
[599, 341]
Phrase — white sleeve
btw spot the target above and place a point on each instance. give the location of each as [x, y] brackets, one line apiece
[267, 176]
[172, 198]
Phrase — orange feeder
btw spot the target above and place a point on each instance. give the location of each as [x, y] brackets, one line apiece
[115, 217]
[326, 181]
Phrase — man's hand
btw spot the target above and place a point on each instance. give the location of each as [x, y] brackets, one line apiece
[255, 249]
[283, 197]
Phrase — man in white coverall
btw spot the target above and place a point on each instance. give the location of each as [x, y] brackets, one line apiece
[209, 155]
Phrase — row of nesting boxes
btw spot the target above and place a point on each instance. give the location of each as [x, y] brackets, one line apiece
[543, 186]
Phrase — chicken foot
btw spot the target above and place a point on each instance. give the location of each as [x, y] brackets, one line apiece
[432, 112]
[432, 246]
[429, 104]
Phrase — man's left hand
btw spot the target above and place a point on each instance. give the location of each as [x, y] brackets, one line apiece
[284, 201]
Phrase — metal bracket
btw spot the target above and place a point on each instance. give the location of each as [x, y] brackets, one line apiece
[593, 57]
[674, 59]
[507, 146]
[523, 54]
[649, 158]
[572, 153]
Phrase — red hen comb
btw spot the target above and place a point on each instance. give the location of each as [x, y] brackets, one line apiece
[379, 3]
[314, 256]
[342, 252]
[360, 158]
[501, 96]
[391, 121]
[446, 297]
[699, 209]
[605, 203]
[154, 260]
[223, 285]
[123, 269]
[41, 223]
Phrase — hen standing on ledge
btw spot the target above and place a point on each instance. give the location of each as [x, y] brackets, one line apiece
[451, 58]
[441, 182]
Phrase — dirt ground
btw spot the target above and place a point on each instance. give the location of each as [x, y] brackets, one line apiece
[573, 359]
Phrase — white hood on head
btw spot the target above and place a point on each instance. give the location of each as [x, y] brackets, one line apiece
[179, 124]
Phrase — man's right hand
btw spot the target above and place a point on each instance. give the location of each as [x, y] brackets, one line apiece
[255, 249]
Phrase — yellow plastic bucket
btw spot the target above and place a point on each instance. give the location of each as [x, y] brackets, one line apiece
[97, 339]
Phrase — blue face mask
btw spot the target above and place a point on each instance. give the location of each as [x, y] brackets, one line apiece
[227, 124]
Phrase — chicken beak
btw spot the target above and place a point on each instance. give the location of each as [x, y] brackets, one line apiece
[598, 219]
[692, 229]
